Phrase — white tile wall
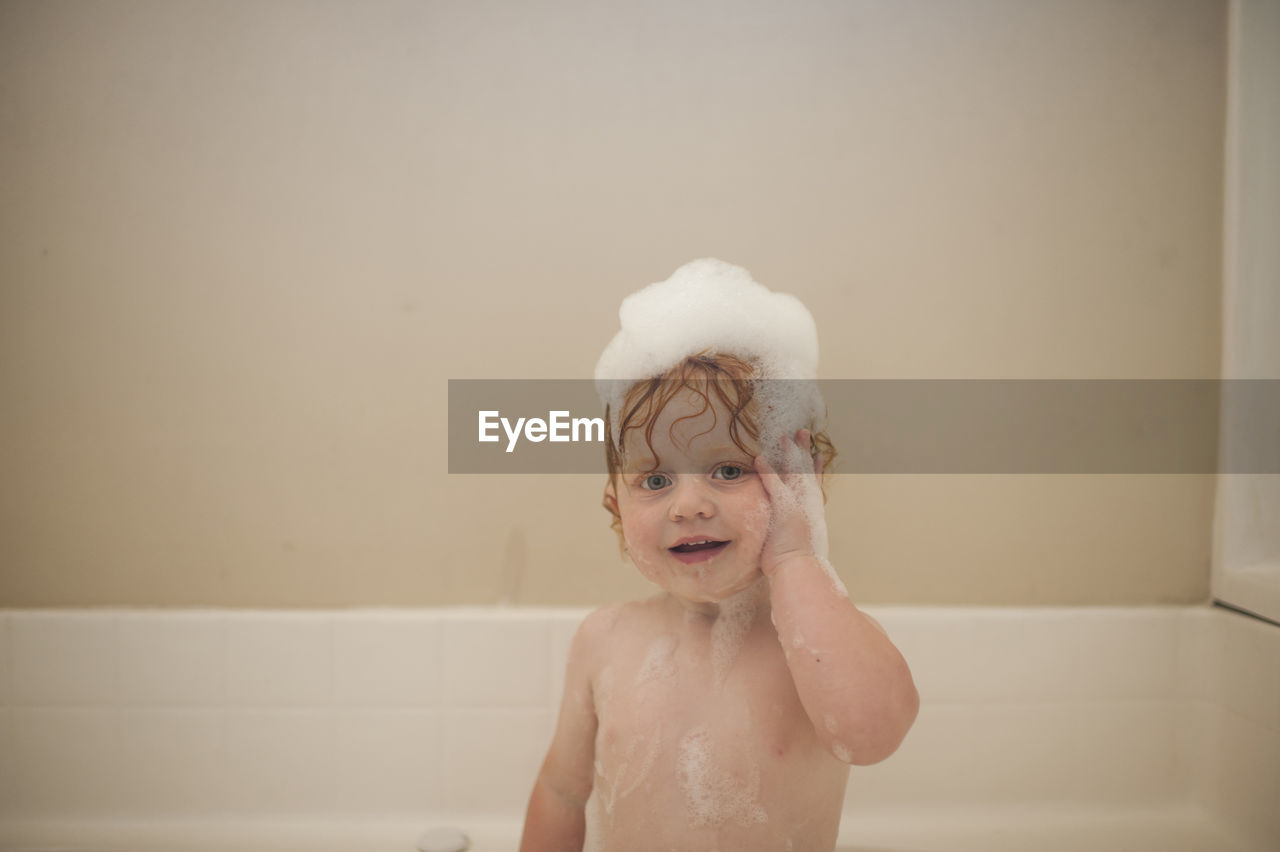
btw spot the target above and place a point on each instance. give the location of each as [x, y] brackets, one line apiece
[384, 713]
[1125, 752]
[172, 660]
[5, 689]
[8, 789]
[391, 761]
[967, 656]
[967, 754]
[388, 660]
[281, 762]
[67, 761]
[495, 662]
[1242, 770]
[172, 761]
[1195, 746]
[1248, 764]
[62, 659]
[1251, 670]
[1200, 632]
[280, 659]
[491, 758]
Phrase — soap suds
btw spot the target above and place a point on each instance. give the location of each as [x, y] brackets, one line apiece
[712, 795]
[803, 492]
[659, 662]
[731, 627]
[836, 582]
[708, 304]
[759, 517]
[633, 770]
[712, 305]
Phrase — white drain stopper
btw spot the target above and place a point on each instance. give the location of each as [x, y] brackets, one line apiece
[443, 840]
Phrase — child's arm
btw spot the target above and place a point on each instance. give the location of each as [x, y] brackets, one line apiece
[556, 818]
[854, 684]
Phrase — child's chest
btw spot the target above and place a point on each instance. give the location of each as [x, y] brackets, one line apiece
[685, 705]
[709, 747]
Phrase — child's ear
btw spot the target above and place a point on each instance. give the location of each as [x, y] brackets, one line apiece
[611, 498]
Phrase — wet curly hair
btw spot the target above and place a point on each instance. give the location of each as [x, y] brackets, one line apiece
[715, 378]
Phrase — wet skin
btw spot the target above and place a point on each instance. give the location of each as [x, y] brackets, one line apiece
[722, 713]
[702, 742]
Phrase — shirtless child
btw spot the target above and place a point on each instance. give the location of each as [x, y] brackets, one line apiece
[722, 713]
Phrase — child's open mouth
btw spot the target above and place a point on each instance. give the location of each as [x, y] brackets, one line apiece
[698, 550]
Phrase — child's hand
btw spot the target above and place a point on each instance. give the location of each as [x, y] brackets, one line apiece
[798, 527]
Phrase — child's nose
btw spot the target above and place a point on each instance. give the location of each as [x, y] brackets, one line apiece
[691, 498]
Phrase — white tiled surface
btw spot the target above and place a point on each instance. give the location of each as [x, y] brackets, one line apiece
[177, 659]
[390, 760]
[8, 790]
[476, 667]
[1019, 655]
[1242, 774]
[510, 761]
[66, 760]
[172, 758]
[63, 659]
[276, 660]
[1251, 674]
[281, 761]
[5, 695]
[389, 661]
[386, 713]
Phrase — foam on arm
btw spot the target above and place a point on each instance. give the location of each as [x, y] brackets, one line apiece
[854, 685]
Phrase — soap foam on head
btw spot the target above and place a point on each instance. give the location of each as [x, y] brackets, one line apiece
[710, 305]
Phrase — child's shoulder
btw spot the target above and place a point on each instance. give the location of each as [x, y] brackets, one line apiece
[601, 623]
[620, 622]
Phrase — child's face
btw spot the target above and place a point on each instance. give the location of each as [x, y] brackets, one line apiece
[695, 518]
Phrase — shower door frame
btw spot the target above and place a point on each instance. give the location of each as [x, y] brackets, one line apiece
[1246, 550]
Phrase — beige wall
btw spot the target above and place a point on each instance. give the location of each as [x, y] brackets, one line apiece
[243, 247]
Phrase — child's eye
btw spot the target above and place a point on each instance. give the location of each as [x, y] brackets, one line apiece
[655, 482]
[729, 472]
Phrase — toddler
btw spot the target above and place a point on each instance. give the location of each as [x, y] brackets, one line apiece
[723, 712]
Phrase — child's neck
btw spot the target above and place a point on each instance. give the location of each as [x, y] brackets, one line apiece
[750, 605]
[722, 627]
